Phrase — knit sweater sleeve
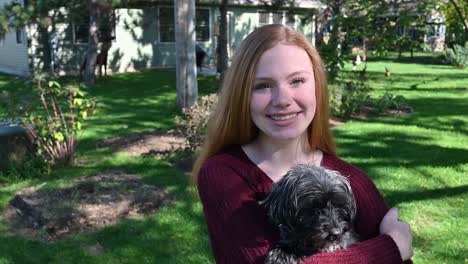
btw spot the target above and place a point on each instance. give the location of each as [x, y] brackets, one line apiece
[240, 232]
[238, 227]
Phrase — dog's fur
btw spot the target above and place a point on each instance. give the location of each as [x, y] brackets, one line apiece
[314, 209]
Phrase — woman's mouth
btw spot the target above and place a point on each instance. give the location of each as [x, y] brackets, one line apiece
[283, 117]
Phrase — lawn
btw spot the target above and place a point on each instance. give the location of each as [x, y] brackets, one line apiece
[419, 162]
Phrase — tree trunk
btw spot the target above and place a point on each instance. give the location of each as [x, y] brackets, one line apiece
[184, 17]
[222, 49]
[93, 40]
[460, 14]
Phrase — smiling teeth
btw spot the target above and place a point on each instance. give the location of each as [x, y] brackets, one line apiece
[281, 118]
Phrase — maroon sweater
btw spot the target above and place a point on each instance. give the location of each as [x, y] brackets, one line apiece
[231, 185]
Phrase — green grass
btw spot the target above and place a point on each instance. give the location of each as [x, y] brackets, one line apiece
[419, 162]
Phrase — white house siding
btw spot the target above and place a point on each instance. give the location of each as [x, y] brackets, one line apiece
[136, 46]
[13, 56]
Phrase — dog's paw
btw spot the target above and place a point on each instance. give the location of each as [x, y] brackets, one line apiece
[278, 256]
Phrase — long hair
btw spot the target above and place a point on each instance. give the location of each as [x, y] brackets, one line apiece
[231, 122]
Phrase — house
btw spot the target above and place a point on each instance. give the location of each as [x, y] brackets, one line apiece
[14, 51]
[143, 37]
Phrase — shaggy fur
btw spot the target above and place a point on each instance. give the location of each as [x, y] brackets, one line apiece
[314, 209]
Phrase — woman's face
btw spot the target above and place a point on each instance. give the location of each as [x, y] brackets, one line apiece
[283, 97]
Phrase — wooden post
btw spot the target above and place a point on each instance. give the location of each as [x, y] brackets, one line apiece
[186, 68]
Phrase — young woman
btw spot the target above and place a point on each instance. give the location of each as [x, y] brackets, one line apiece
[272, 113]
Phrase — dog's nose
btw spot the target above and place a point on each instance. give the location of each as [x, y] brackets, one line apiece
[334, 233]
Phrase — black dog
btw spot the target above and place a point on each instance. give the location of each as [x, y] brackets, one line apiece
[314, 209]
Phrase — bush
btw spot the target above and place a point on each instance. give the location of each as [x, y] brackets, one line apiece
[458, 56]
[346, 99]
[192, 124]
[389, 101]
[51, 115]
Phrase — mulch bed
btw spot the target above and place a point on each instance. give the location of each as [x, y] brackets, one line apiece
[90, 204]
[145, 143]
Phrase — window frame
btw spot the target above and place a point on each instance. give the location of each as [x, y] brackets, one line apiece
[74, 26]
[208, 26]
[74, 37]
[270, 16]
[19, 35]
[159, 24]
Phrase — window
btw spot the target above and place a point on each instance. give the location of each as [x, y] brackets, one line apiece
[265, 18]
[290, 20]
[166, 24]
[106, 28]
[2, 39]
[277, 18]
[203, 24]
[19, 36]
[80, 32]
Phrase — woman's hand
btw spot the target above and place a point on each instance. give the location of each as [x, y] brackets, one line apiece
[400, 232]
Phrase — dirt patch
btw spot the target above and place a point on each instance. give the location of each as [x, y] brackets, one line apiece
[369, 111]
[145, 143]
[90, 204]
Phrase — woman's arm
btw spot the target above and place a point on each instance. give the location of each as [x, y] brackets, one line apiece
[238, 227]
[240, 232]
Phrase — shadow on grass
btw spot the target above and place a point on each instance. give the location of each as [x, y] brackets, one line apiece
[400, 196]
[404, 149]
[438, 113]
[136, 102]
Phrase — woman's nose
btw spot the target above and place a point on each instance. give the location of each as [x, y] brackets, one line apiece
[281, 96]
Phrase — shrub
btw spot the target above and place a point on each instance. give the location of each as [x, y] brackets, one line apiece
[458, 56]
[192, 124]
[51, 115]
[346, 99]
[389, 101]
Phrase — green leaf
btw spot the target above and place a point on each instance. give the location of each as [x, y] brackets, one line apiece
[78, 101]
[78, 125]
[59, 136]
[84, 114]
[54, 84]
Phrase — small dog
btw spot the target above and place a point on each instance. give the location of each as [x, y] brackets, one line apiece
[314, 209]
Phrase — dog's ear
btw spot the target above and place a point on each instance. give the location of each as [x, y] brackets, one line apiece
[345, 187]
[280, 200]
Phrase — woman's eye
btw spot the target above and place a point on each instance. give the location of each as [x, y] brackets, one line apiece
[262, 86]
[297, 81]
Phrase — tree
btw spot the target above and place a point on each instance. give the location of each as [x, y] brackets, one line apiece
[185, 47]
[93, 40]
[221, 50]
[455, 13]
[47, 13]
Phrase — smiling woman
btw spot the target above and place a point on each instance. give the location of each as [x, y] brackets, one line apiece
[272, 113]
[283, 100]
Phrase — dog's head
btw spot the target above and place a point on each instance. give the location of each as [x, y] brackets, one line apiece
[314, 206]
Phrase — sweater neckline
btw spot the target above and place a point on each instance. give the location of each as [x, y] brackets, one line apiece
[325, 156]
